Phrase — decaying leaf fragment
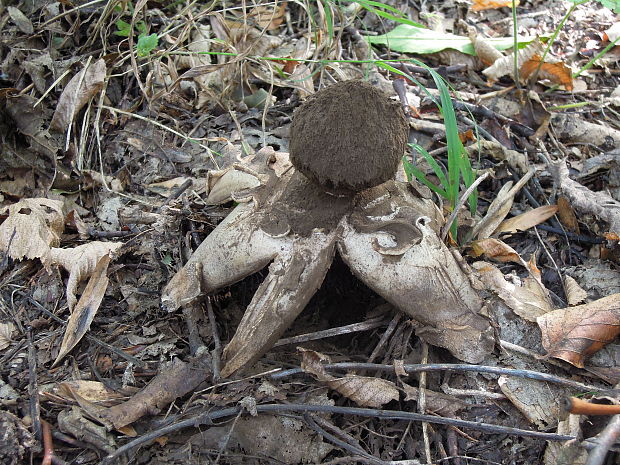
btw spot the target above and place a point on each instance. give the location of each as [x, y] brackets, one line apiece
[80, 89]
[80, 262]
[365, 391]
[571, 334]
[524, 296]
[32, 227]
[86, 309]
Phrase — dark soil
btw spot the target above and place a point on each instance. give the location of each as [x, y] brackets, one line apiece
[348, 137]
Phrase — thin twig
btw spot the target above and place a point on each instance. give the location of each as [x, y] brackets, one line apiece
[458, 367]
[347, 329]
[33, 389]
[206, 419]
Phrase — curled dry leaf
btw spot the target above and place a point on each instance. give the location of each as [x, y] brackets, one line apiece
[567, 215]
[496, 250]
[175, 379]
[571, 334]
[527, 220]
[80, 89]
[575, 294]
[583, 200]
[32, 227]
[485, 51]
[80, 262]
[86, 309]
[363, 390]
[500, 207]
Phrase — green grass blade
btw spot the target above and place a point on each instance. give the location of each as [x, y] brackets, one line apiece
[398, 17]
[411, 171]
[438, 170]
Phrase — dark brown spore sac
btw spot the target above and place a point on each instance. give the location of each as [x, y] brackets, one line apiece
[348, 137]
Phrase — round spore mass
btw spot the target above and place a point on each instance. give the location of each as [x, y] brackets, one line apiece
[348, 137]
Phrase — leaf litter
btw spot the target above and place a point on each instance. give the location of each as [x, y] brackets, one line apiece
[149, 145]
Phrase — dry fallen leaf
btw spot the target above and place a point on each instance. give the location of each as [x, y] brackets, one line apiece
[575, 294]
[86, 309]
[523, 296]
[480, 5]
[558, 72]
[80, 89]
[505, 65]
[496, 250]
[32, 227]
[485, 51]
[567, 215]
[364, 391]
[80, 262]
[21, 20]
[527, 220]
[571, 334]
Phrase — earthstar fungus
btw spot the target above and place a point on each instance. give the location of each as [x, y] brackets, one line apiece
[339, 197]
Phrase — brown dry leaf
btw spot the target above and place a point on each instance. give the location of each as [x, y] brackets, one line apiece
[365, 391]
[80, 262]
[436, 402]
[558, 73]
[312, 363]
[484, 50]
[32, 227]
[527, 220]
[80, 89]
[575, 294]
[523, 296]
[480, 5]
[505, 65]
[571, 334]
[92, 391]
[167, 188]
[86, 309]
[268, 17]
[496, 250]
[567, 215]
